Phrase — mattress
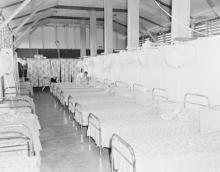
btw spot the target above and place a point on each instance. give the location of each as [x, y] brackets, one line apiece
[12, 162]
[22, 102]
[131, 122]
[81, 93]
[27, 119]
[97, 99]
[183, 153]
[109, 109]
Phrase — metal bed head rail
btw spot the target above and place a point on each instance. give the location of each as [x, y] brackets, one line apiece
[117, 139]
[138, 87]
[159, 93]
[95, 122]
[58, 90]
[19, 107]
[14, 135]
[77, 109]
[199, 100]
[62, 97]
[6, 99]
[122, 84]
[69, 102]
[13, 93]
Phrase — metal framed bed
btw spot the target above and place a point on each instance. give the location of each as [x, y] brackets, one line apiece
[103, 99]
[12, 134]
[17, 147]
[19, 103]
[121, 149]
[95, 120]
[190, 98]
[114, 148]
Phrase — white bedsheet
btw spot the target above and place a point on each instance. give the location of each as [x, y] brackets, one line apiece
[129, 122]
[16, 162]
[27, 119]
[81, 93]
[182, 153]
[110, 109]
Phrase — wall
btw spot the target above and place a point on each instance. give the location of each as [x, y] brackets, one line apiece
[69, 38]
[188, 67]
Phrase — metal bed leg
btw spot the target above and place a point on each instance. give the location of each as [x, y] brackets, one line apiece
[92, 116]
[122, 142]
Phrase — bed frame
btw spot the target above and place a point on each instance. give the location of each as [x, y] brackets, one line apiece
[138, 87]
[159, 93]
[122, 84]
[192, 96]
[14, 99]
[13, 93]
[12, 135]
[117, 139]
[92, 121]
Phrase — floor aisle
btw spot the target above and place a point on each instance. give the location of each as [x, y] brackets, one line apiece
[60, 139]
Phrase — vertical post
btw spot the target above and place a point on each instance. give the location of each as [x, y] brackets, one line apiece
[83, 38]
[180, 13]
[108, 20]
[93, 33]
[29, 39]
[66, 36]
[42, 37]
[133, 24]
[57, 42]
[15, 12]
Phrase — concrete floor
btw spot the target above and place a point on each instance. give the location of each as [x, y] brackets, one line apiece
[63, 150]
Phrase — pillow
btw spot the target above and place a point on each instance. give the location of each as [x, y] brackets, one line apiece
[209, 120]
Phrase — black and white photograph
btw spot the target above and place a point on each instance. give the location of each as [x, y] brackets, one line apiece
[109, 85]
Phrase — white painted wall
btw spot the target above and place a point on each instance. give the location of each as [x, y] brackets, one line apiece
[69, 38]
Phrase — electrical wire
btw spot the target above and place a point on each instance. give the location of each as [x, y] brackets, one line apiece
[177, 21]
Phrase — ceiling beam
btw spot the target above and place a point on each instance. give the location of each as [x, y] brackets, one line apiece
[88, 8]
[70, 8]
[150, 21]
[41, 17]
[18, 10]
[26, 15]
[25, 32]
[28, 18]
[11, 5]
[40, 23]
[164, 4]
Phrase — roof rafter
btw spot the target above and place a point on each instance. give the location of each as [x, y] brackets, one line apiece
[11, 5]
[88, 8]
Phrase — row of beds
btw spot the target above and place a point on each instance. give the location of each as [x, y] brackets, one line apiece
[144, 129]
[20, 145]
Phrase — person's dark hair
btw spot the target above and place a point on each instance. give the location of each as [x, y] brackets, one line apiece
[86, 72]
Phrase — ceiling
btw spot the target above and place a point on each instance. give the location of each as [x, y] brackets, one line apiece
[72, 12]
